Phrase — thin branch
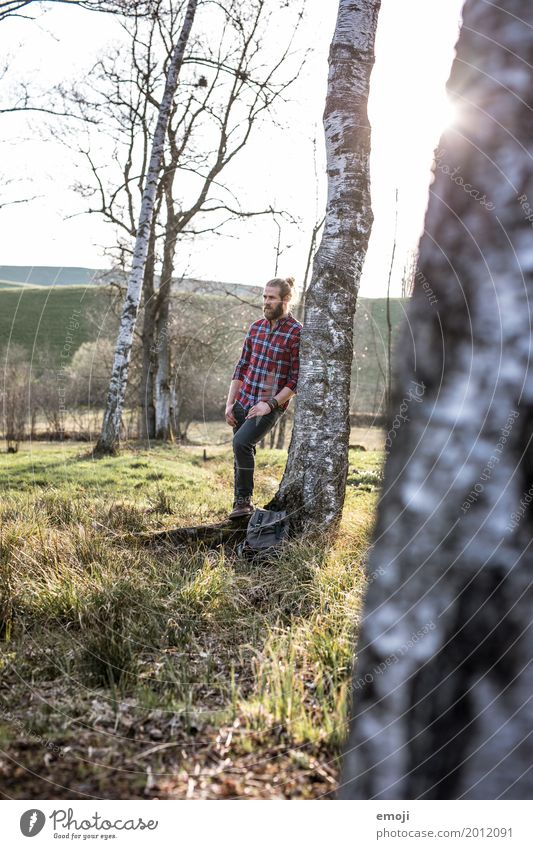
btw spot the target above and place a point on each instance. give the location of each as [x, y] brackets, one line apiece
[46, 111]
[19, 200]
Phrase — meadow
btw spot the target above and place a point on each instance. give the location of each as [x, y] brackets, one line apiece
[134, 671]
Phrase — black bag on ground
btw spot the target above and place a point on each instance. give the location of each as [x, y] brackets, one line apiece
[266, 531]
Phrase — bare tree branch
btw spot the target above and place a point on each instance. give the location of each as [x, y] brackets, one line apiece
[13, 8]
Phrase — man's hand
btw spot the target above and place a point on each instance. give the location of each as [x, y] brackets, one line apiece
[260, 409]
[230, 418]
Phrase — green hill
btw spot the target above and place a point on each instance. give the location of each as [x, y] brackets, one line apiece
[48, 275]
[51, 275]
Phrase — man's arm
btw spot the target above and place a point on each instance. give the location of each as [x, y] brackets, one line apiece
[234, 387]
[284, 395]
[294, 368]
[263, 409]
[237, 379]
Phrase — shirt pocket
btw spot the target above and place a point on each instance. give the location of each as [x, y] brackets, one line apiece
[269, 381]
[279, 354]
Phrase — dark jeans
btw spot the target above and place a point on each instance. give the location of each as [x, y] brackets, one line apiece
[247, 434]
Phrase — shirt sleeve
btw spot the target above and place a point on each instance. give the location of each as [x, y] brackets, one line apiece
[242, 365]
[294, 368]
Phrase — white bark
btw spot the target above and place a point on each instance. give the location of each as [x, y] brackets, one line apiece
[163, 391]
[110, 433]
[163, 427]
[443, 683]
[314, 483]
[163, 377]
[146, 391]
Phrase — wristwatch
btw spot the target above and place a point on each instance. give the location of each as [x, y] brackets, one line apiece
[273, 404]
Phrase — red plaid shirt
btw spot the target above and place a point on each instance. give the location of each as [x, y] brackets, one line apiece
[270, 360]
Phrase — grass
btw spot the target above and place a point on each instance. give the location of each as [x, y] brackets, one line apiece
[168, 673]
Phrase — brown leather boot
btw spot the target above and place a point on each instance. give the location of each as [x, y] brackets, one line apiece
[242, 506]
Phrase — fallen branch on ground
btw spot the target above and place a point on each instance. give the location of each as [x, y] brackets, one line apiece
[220, 533]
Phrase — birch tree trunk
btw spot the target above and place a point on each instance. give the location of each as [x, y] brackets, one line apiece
[442, 689]
[282, 428]
[146, 390]
[163, 425]
[108, 441]
[314, 482]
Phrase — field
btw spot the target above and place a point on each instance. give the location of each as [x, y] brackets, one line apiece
[134, 672]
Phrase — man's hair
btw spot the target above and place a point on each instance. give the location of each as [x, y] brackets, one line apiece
[284, 284]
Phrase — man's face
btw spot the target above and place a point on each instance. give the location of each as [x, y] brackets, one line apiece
[273, 306]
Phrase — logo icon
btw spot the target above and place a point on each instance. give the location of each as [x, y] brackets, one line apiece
[32, 822]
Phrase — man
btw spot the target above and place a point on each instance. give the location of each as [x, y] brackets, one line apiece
[263, 383]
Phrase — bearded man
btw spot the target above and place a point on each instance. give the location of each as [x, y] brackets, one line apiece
[263, 383]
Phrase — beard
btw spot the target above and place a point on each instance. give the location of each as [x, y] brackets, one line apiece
[273, 312]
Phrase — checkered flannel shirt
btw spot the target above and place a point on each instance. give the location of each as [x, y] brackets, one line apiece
[269, 361]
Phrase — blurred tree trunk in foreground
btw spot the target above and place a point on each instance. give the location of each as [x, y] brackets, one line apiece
[314, 482]
[444, 678]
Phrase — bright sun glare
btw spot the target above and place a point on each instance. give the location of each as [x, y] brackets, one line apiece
[443, 114]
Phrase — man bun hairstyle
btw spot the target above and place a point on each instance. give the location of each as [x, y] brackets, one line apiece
[284, 284]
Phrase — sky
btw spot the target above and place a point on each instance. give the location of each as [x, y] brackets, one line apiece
[408, 109]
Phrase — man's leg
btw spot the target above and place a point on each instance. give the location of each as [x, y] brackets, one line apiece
[246, 436]
[240, 416]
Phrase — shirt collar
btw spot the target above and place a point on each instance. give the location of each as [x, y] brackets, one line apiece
[279, 322]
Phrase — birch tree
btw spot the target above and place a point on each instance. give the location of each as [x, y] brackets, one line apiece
[110, 433]
[442, 688]
[314, 482]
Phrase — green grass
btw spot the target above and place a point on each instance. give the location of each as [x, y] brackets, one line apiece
[112, 650]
